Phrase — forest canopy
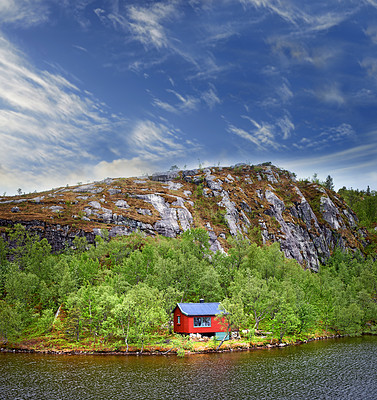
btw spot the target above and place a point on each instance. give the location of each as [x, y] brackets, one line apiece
[125, 289]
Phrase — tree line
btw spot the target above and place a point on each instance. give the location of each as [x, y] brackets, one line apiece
[364, 203]
[124, 289]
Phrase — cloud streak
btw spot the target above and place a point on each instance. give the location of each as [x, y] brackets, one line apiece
[261, 134]
[23, 13]
[156, 141]
[146, 24]
[305, 86]
[42, 105]
[188, 103]
[317, 17]
[327, 137]
[49, 126]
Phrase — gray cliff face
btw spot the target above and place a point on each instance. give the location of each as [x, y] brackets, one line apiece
[307, 220]
[59, 236]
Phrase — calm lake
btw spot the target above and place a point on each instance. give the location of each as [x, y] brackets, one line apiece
[328, 369]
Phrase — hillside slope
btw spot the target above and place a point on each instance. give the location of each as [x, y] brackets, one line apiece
[261, 202]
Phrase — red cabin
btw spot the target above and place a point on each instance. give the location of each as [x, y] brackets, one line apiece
[197, 318]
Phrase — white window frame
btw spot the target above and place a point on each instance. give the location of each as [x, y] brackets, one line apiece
[202, 322]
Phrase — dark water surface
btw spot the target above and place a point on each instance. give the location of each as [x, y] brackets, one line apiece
[329, 369]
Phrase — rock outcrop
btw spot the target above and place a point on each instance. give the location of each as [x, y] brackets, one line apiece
[307, 220]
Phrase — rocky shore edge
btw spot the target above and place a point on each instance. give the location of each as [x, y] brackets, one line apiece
[227, 348]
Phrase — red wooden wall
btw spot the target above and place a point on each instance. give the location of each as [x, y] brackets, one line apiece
[187, 324]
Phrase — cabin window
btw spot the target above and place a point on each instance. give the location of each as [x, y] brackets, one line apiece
[178, 319]
[202, 322]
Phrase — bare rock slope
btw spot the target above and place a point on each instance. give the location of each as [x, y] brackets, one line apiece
[261, 202]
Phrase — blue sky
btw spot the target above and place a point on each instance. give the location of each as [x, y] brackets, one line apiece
[91, 89]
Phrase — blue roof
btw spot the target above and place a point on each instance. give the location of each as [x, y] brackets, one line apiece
[192, 309]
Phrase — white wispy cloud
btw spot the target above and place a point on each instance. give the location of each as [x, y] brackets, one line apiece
[210, 97]
[312, 17]
[371, 32]
[155, 25]
[149, 25]
[286, 126]
[53, 133]
[101, 14]
[122, 167]
[245, 135]
[83, 49]
[341, 132]
[289, 50]
[146, 23]
[365, 97]
[46, 122]
[213, 32]
[371, 2]
[327, 137]
[200, 5]
[24, 13]
[165, 106]
[186, 103]
[294, 50]
[331, 94]
[285, 92]
[370, 65]
[281, 95]
[207, 68]
[285, 11]
[157, 141]
[261, 134]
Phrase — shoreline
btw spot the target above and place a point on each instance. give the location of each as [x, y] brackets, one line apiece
[228, 348]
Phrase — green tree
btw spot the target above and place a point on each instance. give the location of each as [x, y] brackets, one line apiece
[64, 278]
[329, 184]
[195, 242]
[231, 316]
[4, 264]
[83, 268]
[186, 273]
[315, 179]
[80, 244]
[257, 298]
[265, 262]
[285, 321]
[171, 297]
[284, 317]
[348, 318]
[39, 260]
[138, 266]
[3, 251]
[73, 321]
[10, 321]
[21, 244]
[123, 314]
[225, 268]
[145, 306]
[22, 287]
[91, 308]
[240, 247]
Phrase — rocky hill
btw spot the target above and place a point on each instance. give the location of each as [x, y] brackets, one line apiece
[262, 202]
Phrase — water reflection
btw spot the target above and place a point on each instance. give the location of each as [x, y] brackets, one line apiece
[336, 369]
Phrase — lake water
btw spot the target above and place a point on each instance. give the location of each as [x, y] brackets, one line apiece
[329, 369]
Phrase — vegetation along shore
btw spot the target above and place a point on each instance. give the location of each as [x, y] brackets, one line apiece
[116, 295]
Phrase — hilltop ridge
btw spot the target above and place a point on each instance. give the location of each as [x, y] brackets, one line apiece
[261, 202]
